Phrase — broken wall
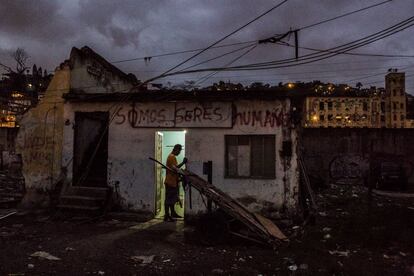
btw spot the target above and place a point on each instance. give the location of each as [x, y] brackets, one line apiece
[90, 73]
[39, 140]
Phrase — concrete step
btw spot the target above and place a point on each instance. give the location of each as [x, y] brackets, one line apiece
[86, 200]
[79, 208]
[9, 202]
[99, 192]
[82, 200]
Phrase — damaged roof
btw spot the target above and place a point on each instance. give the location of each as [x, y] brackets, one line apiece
[87, 53]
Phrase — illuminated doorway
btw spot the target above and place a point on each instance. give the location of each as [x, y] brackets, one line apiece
[164, 144]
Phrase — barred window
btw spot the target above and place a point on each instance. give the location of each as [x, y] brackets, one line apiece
[321, 105]
[250, 156]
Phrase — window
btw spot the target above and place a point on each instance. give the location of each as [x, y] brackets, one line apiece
[321, 106]
[365, 106]
[330, 117]
[321, 117]
[250, 156]
[330, 105]
[382, 118]
[394, 92]
[382, 106]
[402, 105]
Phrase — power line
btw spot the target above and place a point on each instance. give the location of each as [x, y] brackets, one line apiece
[252, 41]
[310, 58]
[217, 57]
[228, 64]
[374, 75]
[313, 72]
[6, 67]
[319, 64]
[350, 54]
[344, 15]
[347, 46]
[218, 41]
[374, 82]
[182, 52]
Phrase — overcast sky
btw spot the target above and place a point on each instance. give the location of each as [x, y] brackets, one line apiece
[127, 29]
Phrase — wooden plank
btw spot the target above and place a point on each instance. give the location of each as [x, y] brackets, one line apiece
[271, 228]
[261, 226]
[8, 215]
[231, 207]
[307, 182]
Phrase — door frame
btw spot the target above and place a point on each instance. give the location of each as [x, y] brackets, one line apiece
[157, 167]
[162, 132]
[105, 128]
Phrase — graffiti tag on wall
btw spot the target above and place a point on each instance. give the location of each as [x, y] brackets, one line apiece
[264, 118]
[201, 115]
[103, 77]
[349, 167]
[175, 115]
[145, 116]
[38, 148]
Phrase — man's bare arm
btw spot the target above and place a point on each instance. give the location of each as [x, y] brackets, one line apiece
[185, 160]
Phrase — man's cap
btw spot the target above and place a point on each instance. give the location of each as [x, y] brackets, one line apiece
[178, 147]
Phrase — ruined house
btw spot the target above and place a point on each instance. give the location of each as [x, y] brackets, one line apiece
[108, 128]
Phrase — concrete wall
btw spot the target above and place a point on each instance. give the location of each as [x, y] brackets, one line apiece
[39, 140]
[90, 73]
[130, 146]
[343, 155]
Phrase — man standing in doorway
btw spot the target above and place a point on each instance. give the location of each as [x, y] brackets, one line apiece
[171, 183]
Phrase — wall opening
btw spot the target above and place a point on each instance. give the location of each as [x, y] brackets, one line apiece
[90, 156]
[164, 144]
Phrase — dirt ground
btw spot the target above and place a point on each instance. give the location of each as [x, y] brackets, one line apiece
[351, 236]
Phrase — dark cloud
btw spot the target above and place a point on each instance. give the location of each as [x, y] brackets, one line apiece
[40, 20]
[131, 28]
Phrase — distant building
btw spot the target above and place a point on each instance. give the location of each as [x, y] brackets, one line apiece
[375, 109]
[395, 100]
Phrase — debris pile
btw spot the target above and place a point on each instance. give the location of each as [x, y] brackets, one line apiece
[11, 190]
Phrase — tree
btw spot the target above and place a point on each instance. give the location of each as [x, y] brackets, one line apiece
[34, 70]
[21, 57]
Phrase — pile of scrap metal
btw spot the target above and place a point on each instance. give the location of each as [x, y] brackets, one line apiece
[262, 228]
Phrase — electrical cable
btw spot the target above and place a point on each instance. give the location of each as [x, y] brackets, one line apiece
[217, 57]
[315, 56]
[347, 46]
[183, 52]
[351, 54]
[344, 15]
[203, 79]
[252, 41]
[220, 40]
